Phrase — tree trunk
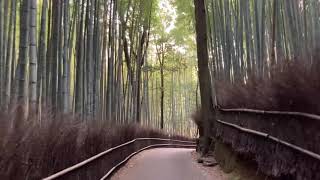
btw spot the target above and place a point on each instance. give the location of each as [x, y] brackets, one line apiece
[1, 48]
[42, 80]
[55, 50]
[273, 36]
[10, 60]
[203, 71]
[23, 63]
[66, 69]
[33, 53]
[79, 64]
[162, 96]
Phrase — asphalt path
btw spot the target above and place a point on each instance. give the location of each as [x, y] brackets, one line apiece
[165, 164]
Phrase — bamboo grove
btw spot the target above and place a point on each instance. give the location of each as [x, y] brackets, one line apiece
[97, 59]
[75, 41]
[249, 37]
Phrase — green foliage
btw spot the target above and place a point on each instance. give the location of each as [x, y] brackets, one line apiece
[184, 31]
[172, 38]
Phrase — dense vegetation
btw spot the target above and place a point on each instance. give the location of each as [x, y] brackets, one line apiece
[75, 76]
[78, 65]
[262, 55]
[290, 91]
[266, 46]
[34, 151]
[98, 59]
[253, 37]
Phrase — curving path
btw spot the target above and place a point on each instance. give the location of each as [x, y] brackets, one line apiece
[166, 164]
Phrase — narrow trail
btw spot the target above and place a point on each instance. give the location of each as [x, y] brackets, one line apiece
[166, 164]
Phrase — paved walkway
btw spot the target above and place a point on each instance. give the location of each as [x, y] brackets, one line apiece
[166, 164]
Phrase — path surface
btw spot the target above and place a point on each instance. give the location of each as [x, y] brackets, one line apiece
[166, 164]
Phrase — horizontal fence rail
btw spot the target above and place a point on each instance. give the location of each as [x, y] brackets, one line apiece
[255, 111]
[93, 158]
[108, 175]
[262, 134]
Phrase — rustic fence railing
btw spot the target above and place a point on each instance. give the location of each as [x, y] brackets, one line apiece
[268, 136]
[258, 133]
[106, 176]
[255, 111]
[282, 143]
[169, 142]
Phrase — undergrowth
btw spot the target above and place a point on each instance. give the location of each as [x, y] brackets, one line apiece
[32, 149]
[294, 86]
